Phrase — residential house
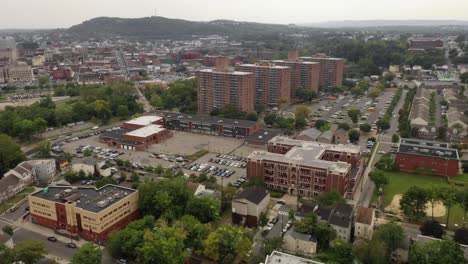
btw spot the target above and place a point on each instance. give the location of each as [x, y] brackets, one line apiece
[247, 206]
[45, 169]
[300, 243]
[93, 166]
[340, 136]
[341, 220]
[310, 134]
[326, 137]
[16, 180]
[364, 223]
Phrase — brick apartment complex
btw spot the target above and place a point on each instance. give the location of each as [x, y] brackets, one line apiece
[331, 70]
[16, 73]
[87, 212]
[303, 74]
[306, 168]
[209, 125]
[425, 43]
[222, 86]
[428, 157]
[272, 83]
[137, 134]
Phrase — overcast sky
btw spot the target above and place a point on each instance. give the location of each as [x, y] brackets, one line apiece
[60, 13]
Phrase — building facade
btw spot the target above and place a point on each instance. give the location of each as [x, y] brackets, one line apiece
[247, 206]
[331, 70]
[364, 223]
[306, 168]
[87, 212]
[272, 84]
[429, 157]
[217, 88]
[304, 75]
[299, 242]
[16, 180]
[45, 169]
[16, 73]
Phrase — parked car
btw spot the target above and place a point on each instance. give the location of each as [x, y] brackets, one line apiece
[71, 245]
[52, 239]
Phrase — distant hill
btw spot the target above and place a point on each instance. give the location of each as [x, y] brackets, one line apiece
[161, 27]
[385, 23]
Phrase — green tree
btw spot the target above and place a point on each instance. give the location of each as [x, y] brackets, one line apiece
[395, 138]
[463, 202]
[391, 234]
[433, 193]
[302, 111]
[226, 243]
[165, 245]
[10, 154]
[307, 224]
[196, 232]
[354, 114]
[331, 198]
[437, 251]
[365, 128]
[413, 202]
[263, 219]
[206, 209]
[341, 252]
[322, 125]
[156, 101]
[464, 77]
[7, 255]
[370, 252]
[374, 93]
[8, 229]
[43, 80]
[378, 178]
[87, 254]
[353, 135]
[43, 149]
[344, 126]
[269, 245]
[122, 111]
[122, 244]
[448, 196]
[300, 123]
[29, 251]
[385, 163]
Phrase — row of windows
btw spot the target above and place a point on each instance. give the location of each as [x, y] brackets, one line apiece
[115, 210]
[41, 213]
[40, 204]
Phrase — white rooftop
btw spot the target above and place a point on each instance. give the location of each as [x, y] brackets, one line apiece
[146, 131]
[277, 257]
[272, 66]
[226, 72]
[144, 120]
[313, 144]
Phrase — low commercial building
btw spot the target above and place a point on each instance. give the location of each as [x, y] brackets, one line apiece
[247, 206]
[277, 257]
[364, 223]
[306, 168]
[429, 157]
[137, 134]
[299, 243]
[209, 125]
[87, 212]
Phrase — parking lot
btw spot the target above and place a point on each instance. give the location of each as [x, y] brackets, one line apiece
[184, 143]
[226, 168]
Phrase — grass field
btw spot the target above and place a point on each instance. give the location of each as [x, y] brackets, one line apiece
[198, 154]
[400, 182]
[20, 196]
[461, 178]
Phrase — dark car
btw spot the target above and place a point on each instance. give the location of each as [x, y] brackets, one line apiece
[71, 245]
[52, 239]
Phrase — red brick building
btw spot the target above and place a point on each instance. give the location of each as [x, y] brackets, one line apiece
[331, 70]
[219, 87]
[428, 157]
[306, 168]
[303, 74]
[272, 83]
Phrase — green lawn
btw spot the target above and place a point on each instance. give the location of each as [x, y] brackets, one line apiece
[198, 154]
[6, 205]
[400, 182]
[461, 178]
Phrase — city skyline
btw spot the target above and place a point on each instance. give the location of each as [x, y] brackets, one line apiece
[47, 14]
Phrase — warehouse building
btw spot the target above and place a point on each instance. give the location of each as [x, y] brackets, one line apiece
[429, 157]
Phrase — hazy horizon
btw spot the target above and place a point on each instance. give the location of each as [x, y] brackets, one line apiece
[29, 14]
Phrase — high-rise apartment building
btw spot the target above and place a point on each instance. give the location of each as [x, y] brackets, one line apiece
[222, 86]
[331, 70]
[272, 83]
[303, 74]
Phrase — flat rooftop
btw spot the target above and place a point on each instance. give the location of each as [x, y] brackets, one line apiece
[304, 157]
[427, 148]
[312, 144]
[272, 66]
[205, 119]
[277, 257]
[226, 72]
[146, 131]
[295, 62]
[86, 198]
[144, 120]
